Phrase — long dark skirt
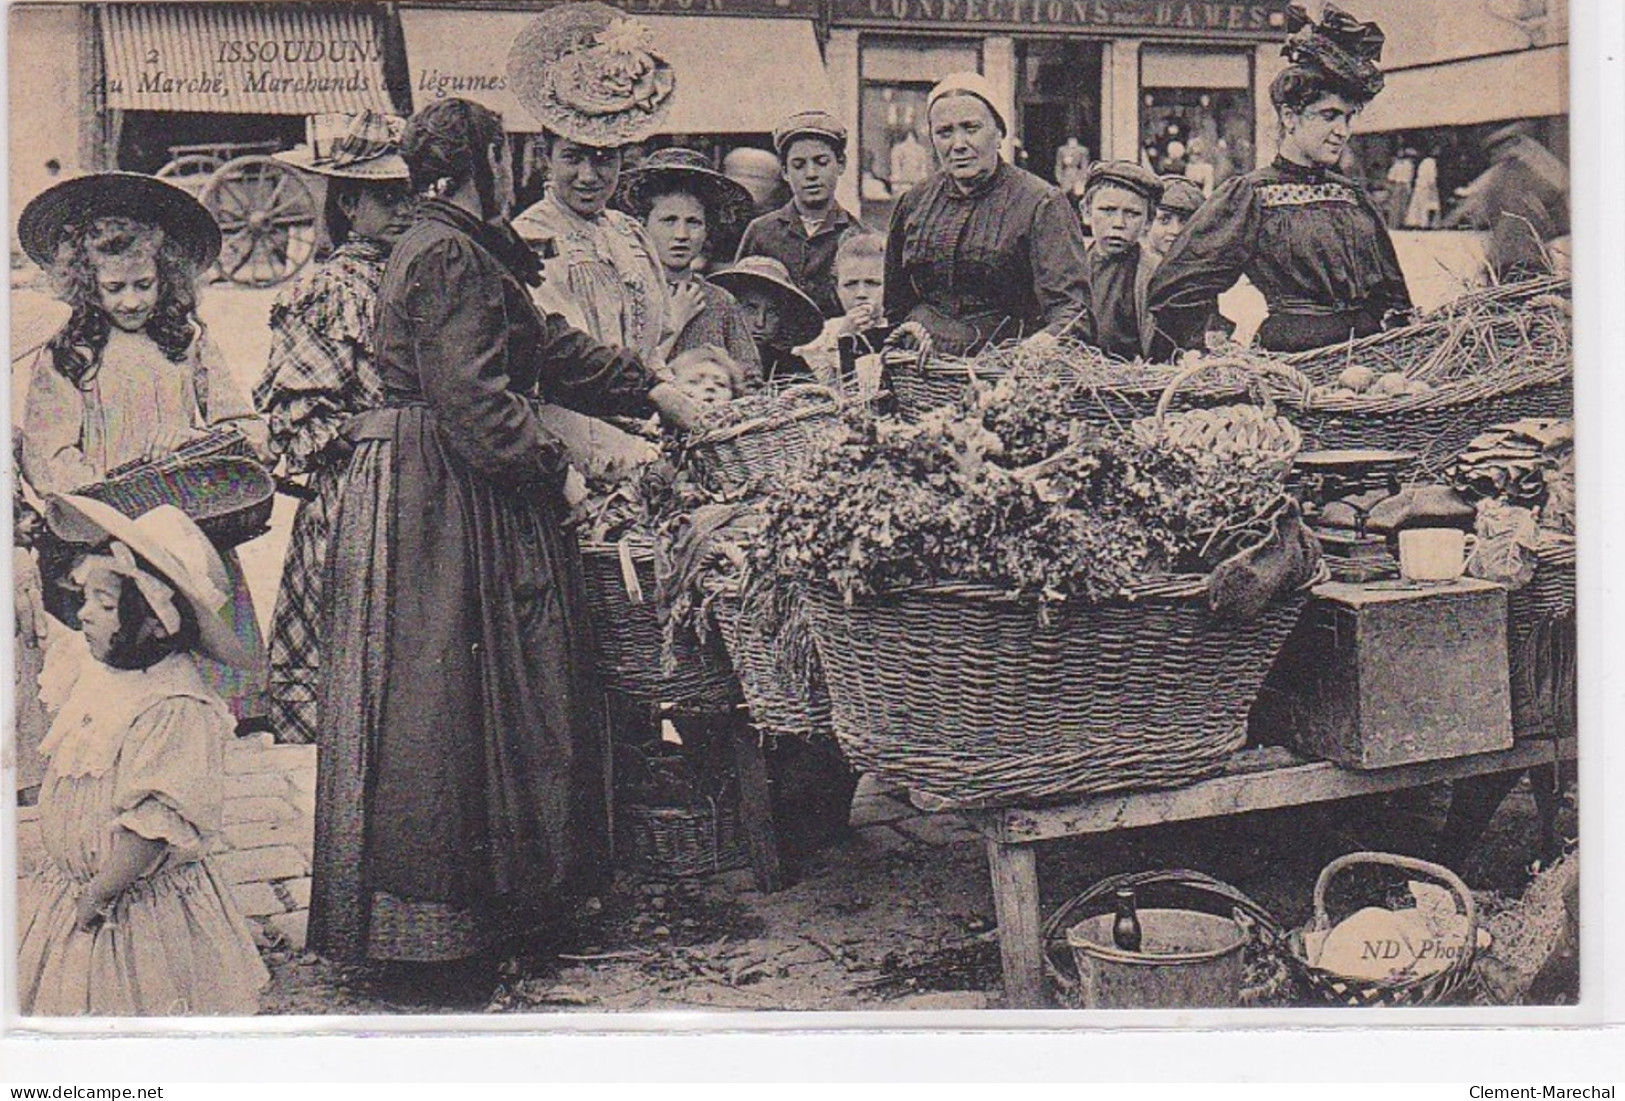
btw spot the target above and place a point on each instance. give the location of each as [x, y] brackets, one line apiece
[463, 765]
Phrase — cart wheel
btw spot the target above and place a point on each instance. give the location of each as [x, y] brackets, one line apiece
[267, 218]
[190, 171]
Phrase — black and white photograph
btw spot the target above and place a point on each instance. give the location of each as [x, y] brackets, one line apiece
[903, 507]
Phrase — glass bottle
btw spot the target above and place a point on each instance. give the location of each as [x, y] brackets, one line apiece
[1126, 925]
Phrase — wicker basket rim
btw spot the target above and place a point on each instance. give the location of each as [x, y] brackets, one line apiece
[1459, 392]
[1506, 292]
[252, 486]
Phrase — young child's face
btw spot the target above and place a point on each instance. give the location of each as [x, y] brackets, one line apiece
[128, 289]
[677, 225]
[762, 312]
[1116, 218]
[861, 281]
[706, 381]
[98, 616]
[1165, 226]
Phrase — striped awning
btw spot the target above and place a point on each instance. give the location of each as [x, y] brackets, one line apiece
[261, 59]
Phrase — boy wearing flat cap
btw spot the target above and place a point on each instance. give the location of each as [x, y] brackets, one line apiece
[804, 233]
[1118, 201]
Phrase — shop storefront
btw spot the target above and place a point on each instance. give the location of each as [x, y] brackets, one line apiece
[230, 76]
[1450, 92]
[1180, 85]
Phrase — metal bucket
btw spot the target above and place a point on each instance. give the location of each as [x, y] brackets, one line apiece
[1187, 960]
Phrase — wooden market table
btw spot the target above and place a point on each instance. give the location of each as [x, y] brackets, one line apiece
[1256, 779]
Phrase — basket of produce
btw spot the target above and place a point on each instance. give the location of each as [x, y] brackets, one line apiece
[634, 657]
[1205, 945]
[755, 441]
[1418, 952]
[1029, 612]
[676, 816]
[215, 480]
[1227, 433]
[1432, 386]
[1101, 391]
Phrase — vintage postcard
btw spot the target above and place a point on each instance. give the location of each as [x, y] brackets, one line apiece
[791, 506]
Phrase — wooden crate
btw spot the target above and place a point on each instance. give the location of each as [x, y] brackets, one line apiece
[1389, 673]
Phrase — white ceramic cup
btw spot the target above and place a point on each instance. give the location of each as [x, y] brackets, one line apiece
[1432, 554]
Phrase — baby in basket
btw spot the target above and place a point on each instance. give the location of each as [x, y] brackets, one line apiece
[709, 375]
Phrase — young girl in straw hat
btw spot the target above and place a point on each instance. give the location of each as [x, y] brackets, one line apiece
[125, 917]
[132, 375]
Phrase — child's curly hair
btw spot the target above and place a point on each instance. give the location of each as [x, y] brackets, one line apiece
[76, 351]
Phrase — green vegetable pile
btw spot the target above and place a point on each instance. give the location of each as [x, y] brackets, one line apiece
[1008, 491]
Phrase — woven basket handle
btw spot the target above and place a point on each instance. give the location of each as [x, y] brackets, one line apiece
[1406, 863]
[803, 393]
[629, 571]
[1255, 386]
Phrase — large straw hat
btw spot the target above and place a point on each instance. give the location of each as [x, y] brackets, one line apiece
[131, 195]
[175, 547]
[803, 321]
[727, 203]
[364, 146]
[591, 73]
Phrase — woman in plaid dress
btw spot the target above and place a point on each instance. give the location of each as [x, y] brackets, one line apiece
[320, 373]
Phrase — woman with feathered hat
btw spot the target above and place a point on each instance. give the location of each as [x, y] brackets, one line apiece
[593, 79]
[1306, 236]
[320, 373]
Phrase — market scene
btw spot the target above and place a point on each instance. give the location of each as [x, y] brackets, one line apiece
[553, 507]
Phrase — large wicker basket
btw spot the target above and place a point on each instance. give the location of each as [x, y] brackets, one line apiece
[968, 695]
[1439, 424]
[761, 451]
[620, 581]
[215, 480]
[1129, 393]
[777, 708]
[1330, 987]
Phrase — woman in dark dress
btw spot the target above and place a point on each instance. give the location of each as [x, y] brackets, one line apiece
[982, 251]
[461, 787]
[1307, 237]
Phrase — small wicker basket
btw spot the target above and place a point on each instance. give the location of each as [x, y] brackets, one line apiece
[1328, 986]
[1439, 424]
[680, 841]
[761, 451]
[215, 480]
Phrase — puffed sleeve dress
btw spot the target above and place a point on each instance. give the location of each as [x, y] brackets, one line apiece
[142, 750]
[1311, 242]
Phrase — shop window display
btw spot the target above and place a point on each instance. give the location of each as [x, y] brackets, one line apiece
[894, 141]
